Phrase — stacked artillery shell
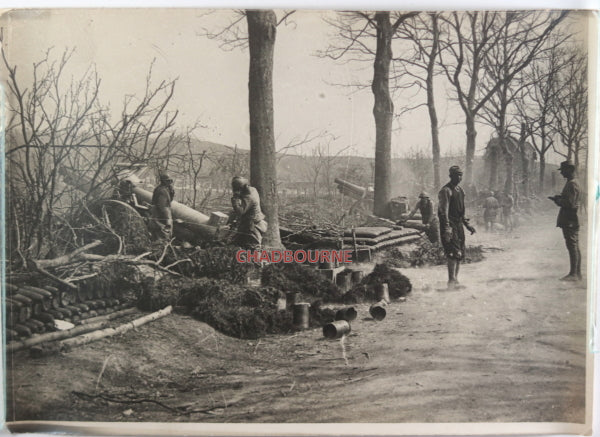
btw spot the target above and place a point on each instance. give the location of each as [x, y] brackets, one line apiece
[11, 335]
[44, 295]
[56, 303]
[35, 326]
[22, 330]
[18, 312]
[34, 309]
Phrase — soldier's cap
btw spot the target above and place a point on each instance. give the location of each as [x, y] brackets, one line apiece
[566, 165]
[455, 169]
[423, 195]
[164, 177]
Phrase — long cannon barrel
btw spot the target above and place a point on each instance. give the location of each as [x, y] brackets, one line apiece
[179, 210]
[191, 225]
[352, 190]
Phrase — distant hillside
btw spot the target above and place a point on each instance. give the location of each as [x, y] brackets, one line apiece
[410, 175]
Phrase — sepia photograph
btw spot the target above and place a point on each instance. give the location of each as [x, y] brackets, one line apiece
[277, 221]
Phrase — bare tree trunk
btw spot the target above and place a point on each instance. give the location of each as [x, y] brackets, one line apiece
[470, 158]
[524, 160]
[435, 141]
[262, 26]
[542, 172]
[383, 111]
[569, 151]
[493, 169]
[508, 159]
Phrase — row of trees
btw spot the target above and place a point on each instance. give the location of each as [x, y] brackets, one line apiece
[59, 129]
[506, 69]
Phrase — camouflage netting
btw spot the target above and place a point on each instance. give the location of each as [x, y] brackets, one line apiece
[308, 282]
[217, 263]
[234, 309]
[312, 286]
[427, 254]
[398, 285]
[237, 310]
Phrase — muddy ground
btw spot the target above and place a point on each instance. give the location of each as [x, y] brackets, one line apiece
[510, 347]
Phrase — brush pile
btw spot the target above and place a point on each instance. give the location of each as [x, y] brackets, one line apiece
[426, 253]
[398, 285]
[309, 283]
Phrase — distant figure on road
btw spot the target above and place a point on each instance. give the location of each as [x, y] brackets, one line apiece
[451, 213]
[425, 208]
[567, 219]
[490, 211]
[247, 219]
[161, 223]
[507, 202]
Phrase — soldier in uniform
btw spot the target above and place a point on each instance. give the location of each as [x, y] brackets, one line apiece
[161, 222]
[490, 211]
[567, 219]
[247, 219]
[451, 214]
[425, 207]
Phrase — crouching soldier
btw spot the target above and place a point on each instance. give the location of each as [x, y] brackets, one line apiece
[428, 218]
[247, 221]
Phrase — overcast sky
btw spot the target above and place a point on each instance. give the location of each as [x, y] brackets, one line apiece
[212, 83]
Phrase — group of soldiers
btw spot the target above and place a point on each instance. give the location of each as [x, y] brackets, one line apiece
[451, 220]
[248, 222]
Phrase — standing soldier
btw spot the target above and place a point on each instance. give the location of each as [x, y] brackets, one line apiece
[247, 219]
[161, 224]
[490, 211]
[451, 213]
[569, 201]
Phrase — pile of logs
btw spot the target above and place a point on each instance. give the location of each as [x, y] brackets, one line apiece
[34, 310]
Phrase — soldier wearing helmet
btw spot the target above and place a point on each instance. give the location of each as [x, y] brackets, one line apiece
[161, 224]
[247, 219]
[425, 208]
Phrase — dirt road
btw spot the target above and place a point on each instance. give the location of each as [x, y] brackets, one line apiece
[508, 348]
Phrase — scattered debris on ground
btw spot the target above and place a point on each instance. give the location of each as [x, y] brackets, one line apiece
[425, 253]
